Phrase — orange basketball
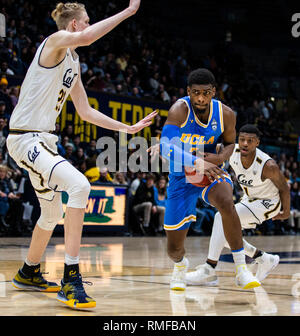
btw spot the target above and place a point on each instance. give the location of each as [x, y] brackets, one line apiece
[195, 178]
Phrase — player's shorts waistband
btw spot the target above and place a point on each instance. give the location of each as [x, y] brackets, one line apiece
[21, 131]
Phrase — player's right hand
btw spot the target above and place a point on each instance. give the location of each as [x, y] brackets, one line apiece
[212, 171]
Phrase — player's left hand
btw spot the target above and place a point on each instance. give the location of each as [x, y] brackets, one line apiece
[281, 216]
[147, 121]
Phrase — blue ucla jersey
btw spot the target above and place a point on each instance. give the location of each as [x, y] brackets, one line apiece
[196, 135]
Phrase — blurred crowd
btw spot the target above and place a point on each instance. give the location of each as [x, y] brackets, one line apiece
[135, 60]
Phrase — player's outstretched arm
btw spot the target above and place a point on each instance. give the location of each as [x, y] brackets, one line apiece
[271, 171]
[87, 113]
[65, 39]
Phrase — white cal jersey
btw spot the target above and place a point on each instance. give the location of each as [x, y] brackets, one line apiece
[250, 179]
[43, 93]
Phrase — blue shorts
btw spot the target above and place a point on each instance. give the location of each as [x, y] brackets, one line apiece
[182, 200]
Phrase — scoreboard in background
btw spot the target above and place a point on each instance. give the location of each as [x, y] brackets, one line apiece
[105, 210]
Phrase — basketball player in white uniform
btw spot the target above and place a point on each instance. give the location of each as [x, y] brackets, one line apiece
[54, 74]
[265, 193]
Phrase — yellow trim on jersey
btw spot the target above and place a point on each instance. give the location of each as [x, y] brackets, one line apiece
[177, 226]
[204, 191]
[34, 171]
[209, 118]
[221, 116]
[187, 118]
[267, 214]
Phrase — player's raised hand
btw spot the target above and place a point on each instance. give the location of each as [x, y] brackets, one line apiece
[134, 6]
[147, 121]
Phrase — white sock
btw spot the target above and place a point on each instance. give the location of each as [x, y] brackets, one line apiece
[249, 249]
[69, 260]
[239, 257]
[30, 263]
[183, 262]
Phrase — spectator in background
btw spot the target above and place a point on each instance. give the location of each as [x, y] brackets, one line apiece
[14, 95]
[91, 150]
[5, 70]
[160, 198]
[136, 182]
[104, 176]
[120, 178]
[294, 219]
[144, 203]
[5, 193]
[3, 113]
[156, 127]
[69, 154]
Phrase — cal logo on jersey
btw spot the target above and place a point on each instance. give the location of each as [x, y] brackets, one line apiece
[68, 78]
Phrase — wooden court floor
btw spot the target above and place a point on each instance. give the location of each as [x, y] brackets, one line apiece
[130, 277]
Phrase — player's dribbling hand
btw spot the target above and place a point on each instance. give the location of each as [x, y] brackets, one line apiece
[212, 171]
[147, 121]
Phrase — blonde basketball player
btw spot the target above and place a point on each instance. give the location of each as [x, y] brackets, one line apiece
[266, 196]
[54, 74]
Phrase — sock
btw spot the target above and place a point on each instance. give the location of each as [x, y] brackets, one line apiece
[30, 263]
[31, 269]
[249, 249]
[183, 262]
[70, 271]
[239, 257]
[211, 264]
[69, 260]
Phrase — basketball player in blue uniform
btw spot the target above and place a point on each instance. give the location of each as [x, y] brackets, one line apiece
[200, 122]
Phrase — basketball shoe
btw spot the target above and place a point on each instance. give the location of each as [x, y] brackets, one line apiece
[178, 281]
[265, 264]
[34, 281]
[244, 278]
[73, 294]
[204, 275]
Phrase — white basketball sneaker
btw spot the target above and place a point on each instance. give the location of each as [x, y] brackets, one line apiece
[178, 281]
[204, 275]
[266, 263]
[245, 279]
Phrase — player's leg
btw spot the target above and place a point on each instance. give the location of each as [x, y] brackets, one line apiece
[249, 215]
[29, 276]
[77, 186]
[176, 252]
[220, 195]
[180, 212]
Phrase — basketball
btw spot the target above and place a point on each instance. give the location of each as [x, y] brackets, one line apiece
[195, 178]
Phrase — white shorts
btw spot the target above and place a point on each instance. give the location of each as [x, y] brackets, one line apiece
[256, 211]
[37, 153]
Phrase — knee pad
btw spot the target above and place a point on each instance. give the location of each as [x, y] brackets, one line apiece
[51, 213]
[74, 183]
[79, 193]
